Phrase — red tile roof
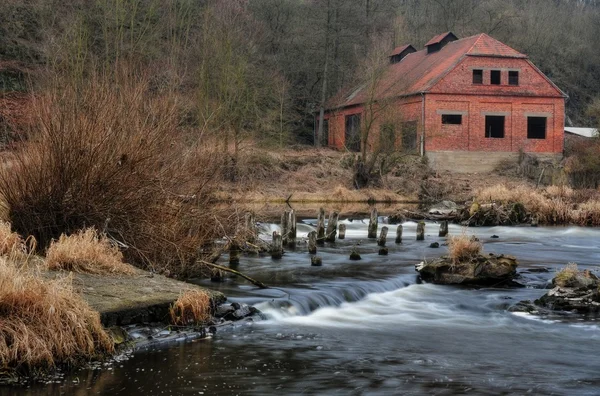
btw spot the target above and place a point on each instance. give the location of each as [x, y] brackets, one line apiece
[399, 50]
[438, 38]
[419, 71]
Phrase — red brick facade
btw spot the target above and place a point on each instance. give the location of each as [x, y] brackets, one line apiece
[450, 91]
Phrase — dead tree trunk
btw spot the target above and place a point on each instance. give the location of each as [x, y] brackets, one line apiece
[342, 231]
[277, 247]
[443, 228]
[399, 234]
[312, 242]
[332, 227]
[373, 224]
[285, 218]
[421, 231]
[291, 224]
[382, 236]
[250, 224]
[321, 226]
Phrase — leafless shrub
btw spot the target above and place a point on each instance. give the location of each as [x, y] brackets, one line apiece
[108, 154]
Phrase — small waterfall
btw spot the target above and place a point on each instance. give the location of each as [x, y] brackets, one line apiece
[305, 301]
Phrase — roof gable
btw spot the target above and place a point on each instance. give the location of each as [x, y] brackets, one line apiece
[419, 71]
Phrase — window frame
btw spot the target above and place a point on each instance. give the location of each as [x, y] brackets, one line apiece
[447, 119]
[513, 78]
[479, 74]
[529, 127]
[497, 73]
[489, 135]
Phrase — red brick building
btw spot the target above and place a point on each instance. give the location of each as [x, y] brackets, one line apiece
[466, 104]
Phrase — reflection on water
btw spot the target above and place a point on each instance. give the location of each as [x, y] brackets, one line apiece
[368, 327]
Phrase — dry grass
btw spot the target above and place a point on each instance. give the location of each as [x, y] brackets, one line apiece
[11, 243]
[570, 276]
[551, 205]
[86, 251]
[45, 323]
[463, 248]
[192, 307]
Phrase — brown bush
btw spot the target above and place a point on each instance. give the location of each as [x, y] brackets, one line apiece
[192, 307]
[11, 243]
[109, 154]
[86, 251]
[45, 323]
[463, 248]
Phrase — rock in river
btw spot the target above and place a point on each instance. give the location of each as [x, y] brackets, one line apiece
[574, 291]
[479, 270]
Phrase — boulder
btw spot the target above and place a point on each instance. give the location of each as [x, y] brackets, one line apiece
[445, 208]
[574, 292]
[480, 270]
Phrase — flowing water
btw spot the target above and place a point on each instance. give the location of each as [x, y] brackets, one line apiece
[369, 327]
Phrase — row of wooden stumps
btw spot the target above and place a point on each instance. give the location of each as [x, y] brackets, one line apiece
[288, 235]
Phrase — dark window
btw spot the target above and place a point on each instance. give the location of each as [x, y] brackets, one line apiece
[494, 127]
[495, 77]
[451, 119]
[513, 78]
[387, 138]
[536, 127]
[325, 135]
[352, 134]
[477, 76]
[409, 136]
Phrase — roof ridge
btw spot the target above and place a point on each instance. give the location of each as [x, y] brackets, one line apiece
[475, 43]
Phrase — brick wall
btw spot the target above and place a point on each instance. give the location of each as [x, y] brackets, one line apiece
[456, 94]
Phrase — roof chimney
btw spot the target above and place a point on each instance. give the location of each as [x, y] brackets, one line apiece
[439, 41]
[400, 52]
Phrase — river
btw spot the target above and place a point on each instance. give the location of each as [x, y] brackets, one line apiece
[369, 327]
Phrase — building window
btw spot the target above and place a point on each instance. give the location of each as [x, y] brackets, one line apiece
[352, 134]
[451, 119]
[536, 127]
[495, 77]
[387, 138]
[494, 127]
[477, 76]
[513, 78]
[409, 136]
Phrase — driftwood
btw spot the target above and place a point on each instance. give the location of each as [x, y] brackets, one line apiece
[221, 268]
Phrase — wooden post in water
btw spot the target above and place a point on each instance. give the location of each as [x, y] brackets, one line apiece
[250, 224]
[277, 247]
[316, 261]
[373, 224]
[399, 234]
[342, 231]
[382, 236]
[285, 217]
[312, 242]
[332, 227]
[443, 228]
[421, 231]
[321, 226]
[291, 224]
[234, 253]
